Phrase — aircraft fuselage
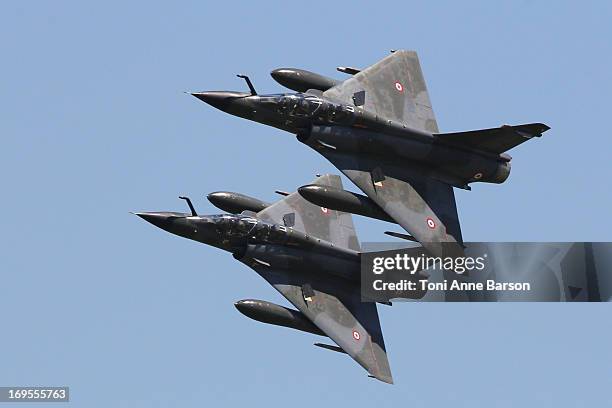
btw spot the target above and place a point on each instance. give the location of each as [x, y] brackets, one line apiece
[269, 244]
[325, 124]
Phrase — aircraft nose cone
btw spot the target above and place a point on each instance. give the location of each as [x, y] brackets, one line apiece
[219, 99]
[158, 219]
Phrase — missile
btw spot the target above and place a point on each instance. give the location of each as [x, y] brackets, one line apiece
[267, 312]
[348, 70]
[301, 80]
[342, 200]
[236, 203]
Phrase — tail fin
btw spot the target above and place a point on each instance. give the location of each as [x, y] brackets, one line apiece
[495, 140]
[330, 225]
[394, 89]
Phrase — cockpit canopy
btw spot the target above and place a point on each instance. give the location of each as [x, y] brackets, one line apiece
[313, 108]
[243, 227]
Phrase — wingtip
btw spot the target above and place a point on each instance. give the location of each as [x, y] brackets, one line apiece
[383, 378]
[540, 128]
[387, 380]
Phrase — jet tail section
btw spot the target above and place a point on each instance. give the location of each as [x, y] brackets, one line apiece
[495, 140]
[393, 88]
[330, 225]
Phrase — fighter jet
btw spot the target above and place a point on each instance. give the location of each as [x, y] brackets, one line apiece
[379, 129]
[310, 254]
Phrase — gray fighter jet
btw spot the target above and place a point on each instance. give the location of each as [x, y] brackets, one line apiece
[379, 129]
[310, 254]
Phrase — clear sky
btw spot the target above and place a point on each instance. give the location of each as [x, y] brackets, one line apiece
[94, 124]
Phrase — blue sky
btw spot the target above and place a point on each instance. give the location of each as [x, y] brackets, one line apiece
[95, 124]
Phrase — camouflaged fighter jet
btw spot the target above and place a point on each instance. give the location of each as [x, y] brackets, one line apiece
[379, 129]
[308, 253]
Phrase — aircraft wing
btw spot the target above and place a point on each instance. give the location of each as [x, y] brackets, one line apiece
[422, 205]
[394, 88]
[334, 306]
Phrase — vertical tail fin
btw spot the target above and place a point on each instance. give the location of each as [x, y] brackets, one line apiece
[394, 89]
[331, 225]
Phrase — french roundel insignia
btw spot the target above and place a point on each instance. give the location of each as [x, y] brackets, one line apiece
[431, 223]
[399, 87]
